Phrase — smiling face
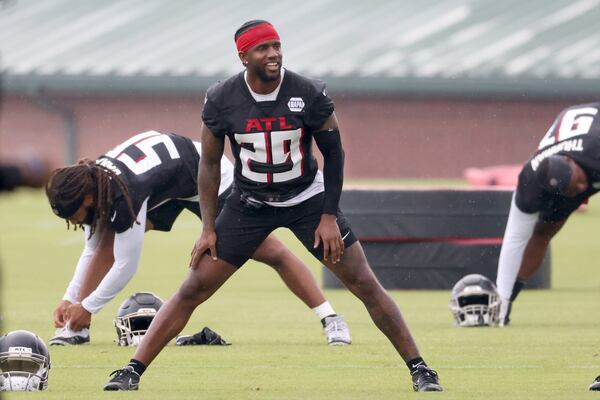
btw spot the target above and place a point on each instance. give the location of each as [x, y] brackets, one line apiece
[264, 61]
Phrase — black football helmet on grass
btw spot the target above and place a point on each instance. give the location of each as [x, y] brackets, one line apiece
[134, 317]
[24, 362]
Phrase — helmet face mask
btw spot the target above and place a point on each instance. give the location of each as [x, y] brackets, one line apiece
[134, 317]
[24, 362]
[475, 302]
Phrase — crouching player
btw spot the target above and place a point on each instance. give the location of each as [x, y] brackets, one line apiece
[144, 184]
[557, 179]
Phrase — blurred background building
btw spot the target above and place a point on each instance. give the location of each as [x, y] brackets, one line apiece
[422, 88]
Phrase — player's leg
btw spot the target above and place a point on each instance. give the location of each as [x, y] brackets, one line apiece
[356, 274]
[252, 235]
[199, 285]
[291, 269]
[298, 278]
[239, 234]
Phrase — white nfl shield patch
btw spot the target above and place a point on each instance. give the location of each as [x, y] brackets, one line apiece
[296, 104]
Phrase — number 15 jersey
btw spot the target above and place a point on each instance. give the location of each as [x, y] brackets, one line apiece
[156, 167]
[271, 140]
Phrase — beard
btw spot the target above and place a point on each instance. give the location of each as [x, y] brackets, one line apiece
[261, 72]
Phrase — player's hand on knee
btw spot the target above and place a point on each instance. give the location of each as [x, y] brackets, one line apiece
[328, 233]
[60, 313]
[206, 242]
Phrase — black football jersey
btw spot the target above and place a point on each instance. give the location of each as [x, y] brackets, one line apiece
[154, 166]
[271, 140]
[575, 133]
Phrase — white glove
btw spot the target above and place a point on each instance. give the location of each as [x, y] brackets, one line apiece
[505, 306]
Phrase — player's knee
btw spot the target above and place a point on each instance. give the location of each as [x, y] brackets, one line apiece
[363, 285]
[191, 293]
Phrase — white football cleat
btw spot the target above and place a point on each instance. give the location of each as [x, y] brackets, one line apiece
[68, 337]
[337, 331]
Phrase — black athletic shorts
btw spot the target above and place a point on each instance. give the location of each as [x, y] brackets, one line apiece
[163, 217]
[242, 227]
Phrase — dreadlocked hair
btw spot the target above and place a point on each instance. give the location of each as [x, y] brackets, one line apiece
[68, 186]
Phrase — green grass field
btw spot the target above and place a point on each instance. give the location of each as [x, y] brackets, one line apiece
[552, 351]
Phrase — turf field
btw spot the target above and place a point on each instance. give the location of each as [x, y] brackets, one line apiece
[552, 351]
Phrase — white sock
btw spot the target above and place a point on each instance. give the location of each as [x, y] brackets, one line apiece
[323, 310]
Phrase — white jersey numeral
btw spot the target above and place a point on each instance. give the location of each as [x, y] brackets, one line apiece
[573, 123]
[272, 152]
[145, 142]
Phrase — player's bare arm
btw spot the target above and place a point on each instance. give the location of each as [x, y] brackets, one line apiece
[209, 179]
[537, 246]
[328, 233]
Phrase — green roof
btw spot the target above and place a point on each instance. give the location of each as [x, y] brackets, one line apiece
[512, 47]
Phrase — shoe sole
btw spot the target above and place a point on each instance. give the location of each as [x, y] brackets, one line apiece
[59, 342]
[429, 388]
[114, 388]
[339, 343]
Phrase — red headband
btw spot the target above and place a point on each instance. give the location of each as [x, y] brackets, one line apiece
[255, 35]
